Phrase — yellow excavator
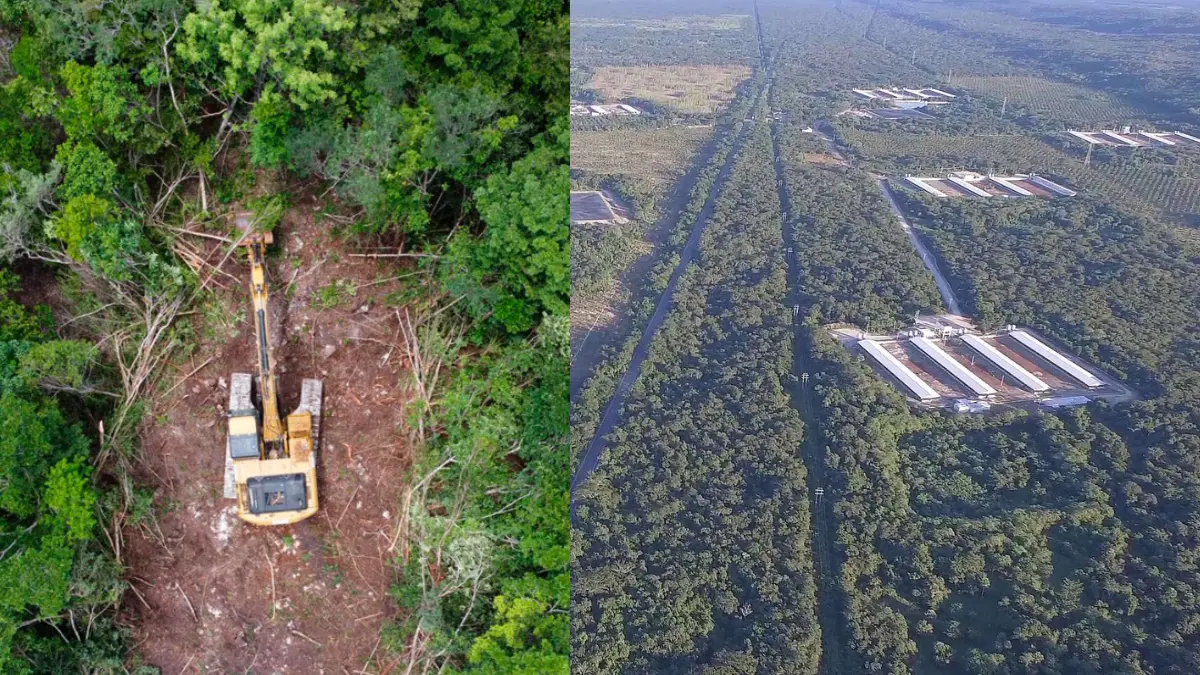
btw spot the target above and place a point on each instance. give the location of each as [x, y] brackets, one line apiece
[270, 462]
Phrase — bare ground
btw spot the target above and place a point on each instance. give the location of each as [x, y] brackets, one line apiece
[214, 595]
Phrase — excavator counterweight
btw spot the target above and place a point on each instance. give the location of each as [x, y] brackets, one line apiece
[270, 462]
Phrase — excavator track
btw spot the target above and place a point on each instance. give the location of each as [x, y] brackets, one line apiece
[311, 393]
[240, 398]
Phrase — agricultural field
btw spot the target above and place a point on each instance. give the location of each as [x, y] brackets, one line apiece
[653, 158]
[1137, 51]
[1045, 98]
[662, 33]
[641, 165]
[722, 22]
[1174, 188]
[901, 152]
[697, 89]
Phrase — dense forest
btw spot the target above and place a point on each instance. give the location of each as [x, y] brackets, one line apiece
[856, 264]
[439, 127]
[615, 355]
[1020, 542]
[1049, 543]
[700, 498]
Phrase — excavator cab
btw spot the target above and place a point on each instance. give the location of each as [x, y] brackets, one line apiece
[270, 462]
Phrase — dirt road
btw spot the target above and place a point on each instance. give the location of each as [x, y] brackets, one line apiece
[943, 285]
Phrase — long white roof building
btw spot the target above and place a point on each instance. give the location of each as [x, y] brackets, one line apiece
[898, 370]
[1058, 360]
[1001, 361]
[952, 366]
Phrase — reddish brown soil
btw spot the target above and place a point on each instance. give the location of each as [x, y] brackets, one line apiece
[950, 189]
[215, 595]
[39, 286]
[1037, 190]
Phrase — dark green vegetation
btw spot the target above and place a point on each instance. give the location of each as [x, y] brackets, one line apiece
[857, 264]
[1028, 542]
[1022, 542]
[662, 165]
[692, 548]
[438, 126]
[612, 359]
[54, 568]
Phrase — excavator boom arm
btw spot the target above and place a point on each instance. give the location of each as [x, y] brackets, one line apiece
[272, 424]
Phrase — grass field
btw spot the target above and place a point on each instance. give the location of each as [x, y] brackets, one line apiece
[1062, 101]
[689, 89]
[721, 22]
[654, 158]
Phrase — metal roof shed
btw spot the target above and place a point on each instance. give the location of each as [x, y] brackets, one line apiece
[956, 369]
[1057, 360]
[898, 370]
[997, 357]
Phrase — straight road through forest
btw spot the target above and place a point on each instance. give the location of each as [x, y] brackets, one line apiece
[926, 257]
[829, 599]
[590, 458]
[943, 285]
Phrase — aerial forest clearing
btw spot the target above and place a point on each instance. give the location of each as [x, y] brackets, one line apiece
[213, 590]
[284, 337]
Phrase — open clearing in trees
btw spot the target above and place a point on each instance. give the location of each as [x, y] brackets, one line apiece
[653, 157]
[220, 595]
[699, 89]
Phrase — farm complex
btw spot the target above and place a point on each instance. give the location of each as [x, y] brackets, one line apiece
[618, 109]
[969, 184]
[1127, 137]
[889, 113]
[901, 94]
[946, 362]
[592, 207]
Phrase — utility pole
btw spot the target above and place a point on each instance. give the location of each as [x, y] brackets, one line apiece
[1087, 160]
[1004, 107]
[914, 58]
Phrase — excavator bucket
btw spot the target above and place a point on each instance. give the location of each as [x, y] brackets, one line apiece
[244, 222]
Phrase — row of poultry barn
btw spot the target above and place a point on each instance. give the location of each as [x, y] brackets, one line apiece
[1012, 365]
[1127, 137]
[970, 184]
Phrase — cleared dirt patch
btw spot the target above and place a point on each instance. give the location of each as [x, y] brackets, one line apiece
[217, 596]
[690, 89]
